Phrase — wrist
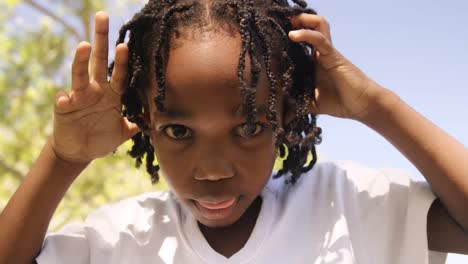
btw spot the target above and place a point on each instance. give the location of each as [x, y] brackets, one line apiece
[381, 103]
[72, 164]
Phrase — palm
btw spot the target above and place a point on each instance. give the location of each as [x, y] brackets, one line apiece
[87, 122]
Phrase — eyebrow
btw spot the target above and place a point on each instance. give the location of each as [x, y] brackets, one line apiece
[174, 114]
[181, 114]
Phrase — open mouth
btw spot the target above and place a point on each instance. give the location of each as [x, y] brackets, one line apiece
[216, 210]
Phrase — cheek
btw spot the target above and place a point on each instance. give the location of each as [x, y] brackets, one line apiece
[258, 156]
[174, 171]
[256, 167]
[170, 156]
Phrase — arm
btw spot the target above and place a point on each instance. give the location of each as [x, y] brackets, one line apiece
[87, 125]
[25, 219]
[440, 158]
[345, 91]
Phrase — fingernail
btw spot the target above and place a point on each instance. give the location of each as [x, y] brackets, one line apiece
[293, 34]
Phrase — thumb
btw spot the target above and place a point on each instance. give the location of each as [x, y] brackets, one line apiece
[313, 107]
[129, 129]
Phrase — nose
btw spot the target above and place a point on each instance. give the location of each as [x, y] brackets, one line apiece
[214, 168]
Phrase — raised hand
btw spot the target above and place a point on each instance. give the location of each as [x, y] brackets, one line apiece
[87, 121]
[343, 90]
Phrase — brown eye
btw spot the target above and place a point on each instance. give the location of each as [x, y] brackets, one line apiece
[247, 131]
[177, 132]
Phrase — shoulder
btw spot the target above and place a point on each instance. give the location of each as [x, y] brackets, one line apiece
[383, 205]
[133, 219]
[362, 176]
[354, 183]
[133, 207]
[372, 195]
[349, 174]
[137, 216]
[124, 225]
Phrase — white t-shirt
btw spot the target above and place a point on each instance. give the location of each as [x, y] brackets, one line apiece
[339, 212]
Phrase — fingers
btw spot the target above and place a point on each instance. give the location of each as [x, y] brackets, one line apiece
[119, 73]
[309, 21]
[62, 102]
[312, 37]
[100, 47]
[80, 76]
[129, 129]
[313, 106]
[315, 30]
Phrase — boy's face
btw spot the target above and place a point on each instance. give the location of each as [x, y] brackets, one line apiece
[201, 143]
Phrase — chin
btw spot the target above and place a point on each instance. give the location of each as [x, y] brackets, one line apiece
[217, 223]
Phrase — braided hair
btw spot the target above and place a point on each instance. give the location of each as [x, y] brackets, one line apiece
[263, 27]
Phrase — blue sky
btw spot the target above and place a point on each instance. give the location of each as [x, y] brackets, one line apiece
[418, 49]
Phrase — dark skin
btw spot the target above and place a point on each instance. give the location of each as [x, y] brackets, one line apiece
[205, 131]
[88, 125]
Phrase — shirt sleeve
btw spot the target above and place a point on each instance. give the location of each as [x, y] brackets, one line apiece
[397, 215]
[110, 234]
[420, 201]
[387, 213]
[69, 245]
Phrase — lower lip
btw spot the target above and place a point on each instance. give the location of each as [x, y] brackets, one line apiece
[217, 211]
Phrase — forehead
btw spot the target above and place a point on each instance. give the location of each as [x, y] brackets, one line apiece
[205, 71]
[211, 57]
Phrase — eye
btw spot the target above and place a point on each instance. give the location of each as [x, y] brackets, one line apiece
[177, 132]
[247, 131]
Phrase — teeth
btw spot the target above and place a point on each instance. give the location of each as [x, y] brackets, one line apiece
[215, 206]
